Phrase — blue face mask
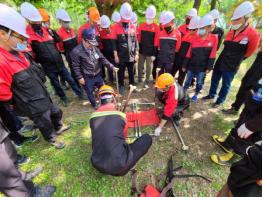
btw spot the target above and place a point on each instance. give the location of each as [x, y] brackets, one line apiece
[20, 47]
[201, 32]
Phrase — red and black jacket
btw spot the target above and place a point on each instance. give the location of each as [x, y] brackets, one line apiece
[126, 42]
[87, 26]
[186, 42]
[183, 29]
[107, 43]
[201, 54]
[170, 99]
[68, 41]
[20, 81]
[147, 37]
[236, 48]
[45, 50]
[219, 32]
[110, 152]
[168, 45]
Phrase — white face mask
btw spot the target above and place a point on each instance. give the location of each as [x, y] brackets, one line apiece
[235, 27]
[149, 21]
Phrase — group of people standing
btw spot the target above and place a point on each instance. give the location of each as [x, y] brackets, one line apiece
[30, 51]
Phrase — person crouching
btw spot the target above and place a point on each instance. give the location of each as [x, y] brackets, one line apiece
[110, 153]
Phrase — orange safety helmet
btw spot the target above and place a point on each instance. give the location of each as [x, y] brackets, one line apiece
[164, 80]
[44, 14]
[105, 89]
[94, 14]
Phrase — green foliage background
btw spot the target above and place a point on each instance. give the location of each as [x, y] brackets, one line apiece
[77, 8]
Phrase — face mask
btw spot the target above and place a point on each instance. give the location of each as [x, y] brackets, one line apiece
[107, 30]
[168, 29]
[235, 27]
[187, 21]
[37, 27]
[125, 26]
[149, 21]
[66, 25]
[202, 32]
[20, 47]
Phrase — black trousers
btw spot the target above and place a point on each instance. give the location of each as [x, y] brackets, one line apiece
[11, 179]
[121, 73]
[241, 95]
[235, 143]
[181, 74]
[12, 122]
[139, 148]
[49, 122]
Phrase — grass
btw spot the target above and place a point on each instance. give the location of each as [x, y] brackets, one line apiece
[70, 169]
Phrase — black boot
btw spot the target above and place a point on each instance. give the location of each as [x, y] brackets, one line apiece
[43, 191]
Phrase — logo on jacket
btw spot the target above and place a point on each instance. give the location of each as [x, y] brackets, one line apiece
[244, 41]
[209, 44]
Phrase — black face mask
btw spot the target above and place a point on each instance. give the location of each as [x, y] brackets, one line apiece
[187, 21]
[36, 27]
[125, 25]
[168, 29]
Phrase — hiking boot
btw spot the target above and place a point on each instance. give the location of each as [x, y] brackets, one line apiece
[25, 140]
[43, 191]
[195, 98]
[21, 160]
[26, 128]
[57, 144]
[33, 173]
[63, 128]
[231, 111]
[220, 142]
[208, 97]
[223, 160]
[64, 101]
[216, 105]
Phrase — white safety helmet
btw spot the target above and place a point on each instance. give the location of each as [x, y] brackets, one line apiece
[150, 12]
[12, 20]
[126, 11]
[214, 13]
[104, 22]
[194, 22]
[116, 17]
[161, 17]
[168, 17]
[30, 12]
[134, 18]
[192, 12]
[206, 21]
[244, 9]
[62, 14]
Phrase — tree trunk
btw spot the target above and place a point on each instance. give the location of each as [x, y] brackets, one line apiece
[197, 4]
[213, 4]
[107, 6]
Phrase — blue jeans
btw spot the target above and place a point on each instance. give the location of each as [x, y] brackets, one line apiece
[199, 80]
[90, 84]
[64, 74]
[227, 78]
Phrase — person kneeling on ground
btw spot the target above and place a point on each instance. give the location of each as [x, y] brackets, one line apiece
[246, 132]
[245, 178]
[174, 98]
[110, 152]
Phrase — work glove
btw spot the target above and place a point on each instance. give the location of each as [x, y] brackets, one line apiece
[153, 58]
[243, 132]
[157, 131]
